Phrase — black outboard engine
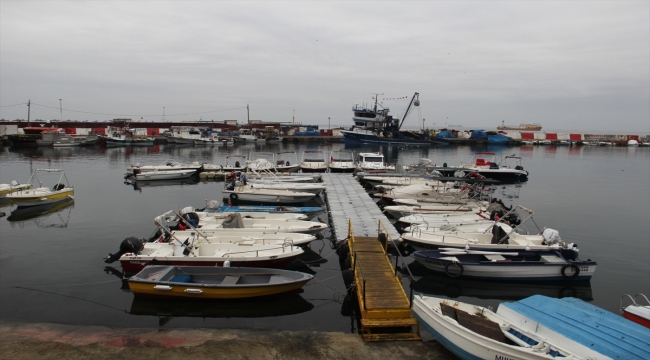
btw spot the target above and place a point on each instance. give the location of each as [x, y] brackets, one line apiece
[494, 165]
[499, 236]
[128, 245]
[58, 187]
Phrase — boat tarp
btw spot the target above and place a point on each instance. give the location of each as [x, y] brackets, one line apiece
[498, 139]
[478, 135]
[308, 132]
[445, 135]
[595, 328]
[233, 221]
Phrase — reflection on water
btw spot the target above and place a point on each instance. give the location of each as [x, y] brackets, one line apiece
[441, 285]
[138, 185]
[271, 306]
[40, 213]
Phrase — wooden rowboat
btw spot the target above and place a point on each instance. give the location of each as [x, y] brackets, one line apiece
[215, 282]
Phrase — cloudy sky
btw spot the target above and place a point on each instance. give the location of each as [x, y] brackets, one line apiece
[572, 65]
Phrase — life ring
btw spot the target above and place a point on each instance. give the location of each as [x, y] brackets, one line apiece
[574, 275]
[460, 266]
[233, 196]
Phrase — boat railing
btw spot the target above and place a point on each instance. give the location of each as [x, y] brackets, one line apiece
[381, 230]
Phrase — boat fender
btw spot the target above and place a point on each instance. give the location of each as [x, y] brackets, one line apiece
[226, 263]
[451, 274]
[575, 273]
[237, 164]
[128, 245]
[233, 196]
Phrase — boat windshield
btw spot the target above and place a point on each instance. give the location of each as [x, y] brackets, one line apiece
[374, 159]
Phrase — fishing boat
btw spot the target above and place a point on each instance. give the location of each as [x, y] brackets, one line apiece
[272, 178]
[206, 215]
[398, 211]
[313, 161]
[521, 127]
[636, 311]
[246, 136]
[342, 161]
[215, 282]
[474, 332]
[375, 125]
[286, 161]
[126, 137]
[43, 195]
[12, 187]
[533, 265]
[184, 135]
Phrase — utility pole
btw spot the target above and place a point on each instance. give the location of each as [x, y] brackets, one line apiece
[163, 119]
[29, 107]
[328, 123]
[293, 118]
[61, 109]
[248, 115]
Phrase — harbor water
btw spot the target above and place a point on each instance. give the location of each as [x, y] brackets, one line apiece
[52, 269]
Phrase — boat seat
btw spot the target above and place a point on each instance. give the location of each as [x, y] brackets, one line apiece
[162, 253]
[230, 280]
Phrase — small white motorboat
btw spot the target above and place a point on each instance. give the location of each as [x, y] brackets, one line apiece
[270, 178]
[204, 215]
[135, 254]
[165, 165]
[291, 186]
[164, 175]
[506, 265]
[286, 161]
[342, 161]
[266, 196]
[398, 211]
[237, 222]
[243, 237]
[12, 187]
[260, 161]
[42, 195]
[313, 161]
[374, 163]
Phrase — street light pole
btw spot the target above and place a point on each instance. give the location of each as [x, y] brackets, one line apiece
[328, 123]
[61, 108]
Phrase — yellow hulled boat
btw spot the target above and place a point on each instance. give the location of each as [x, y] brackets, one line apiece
[43, 195]
[209, 282]
[6, 189]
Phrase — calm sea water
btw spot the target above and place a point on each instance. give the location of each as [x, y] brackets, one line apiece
[51, 266]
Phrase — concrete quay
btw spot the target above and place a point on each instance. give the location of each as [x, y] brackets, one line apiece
[28, 340]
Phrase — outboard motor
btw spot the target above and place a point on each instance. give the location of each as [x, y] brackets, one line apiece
[128, 245]
[237, 164]
[499, 236]
[58, 187]
[494, 165]
[551, 236]
[519, 167]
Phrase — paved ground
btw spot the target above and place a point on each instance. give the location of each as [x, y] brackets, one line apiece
[27, 340]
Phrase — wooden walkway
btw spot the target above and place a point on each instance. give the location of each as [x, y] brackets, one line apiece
[385, 307]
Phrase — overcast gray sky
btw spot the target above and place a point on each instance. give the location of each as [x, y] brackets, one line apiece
[580, 65]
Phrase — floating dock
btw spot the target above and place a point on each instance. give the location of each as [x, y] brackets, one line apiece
[385, 307]
[347, 199]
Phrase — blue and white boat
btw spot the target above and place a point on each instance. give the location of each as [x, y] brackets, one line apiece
[537, 327]
[505, 265]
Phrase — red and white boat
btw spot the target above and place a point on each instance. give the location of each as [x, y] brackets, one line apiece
[640, 314]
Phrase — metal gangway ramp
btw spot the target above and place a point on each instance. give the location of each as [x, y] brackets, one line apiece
[385, 307]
